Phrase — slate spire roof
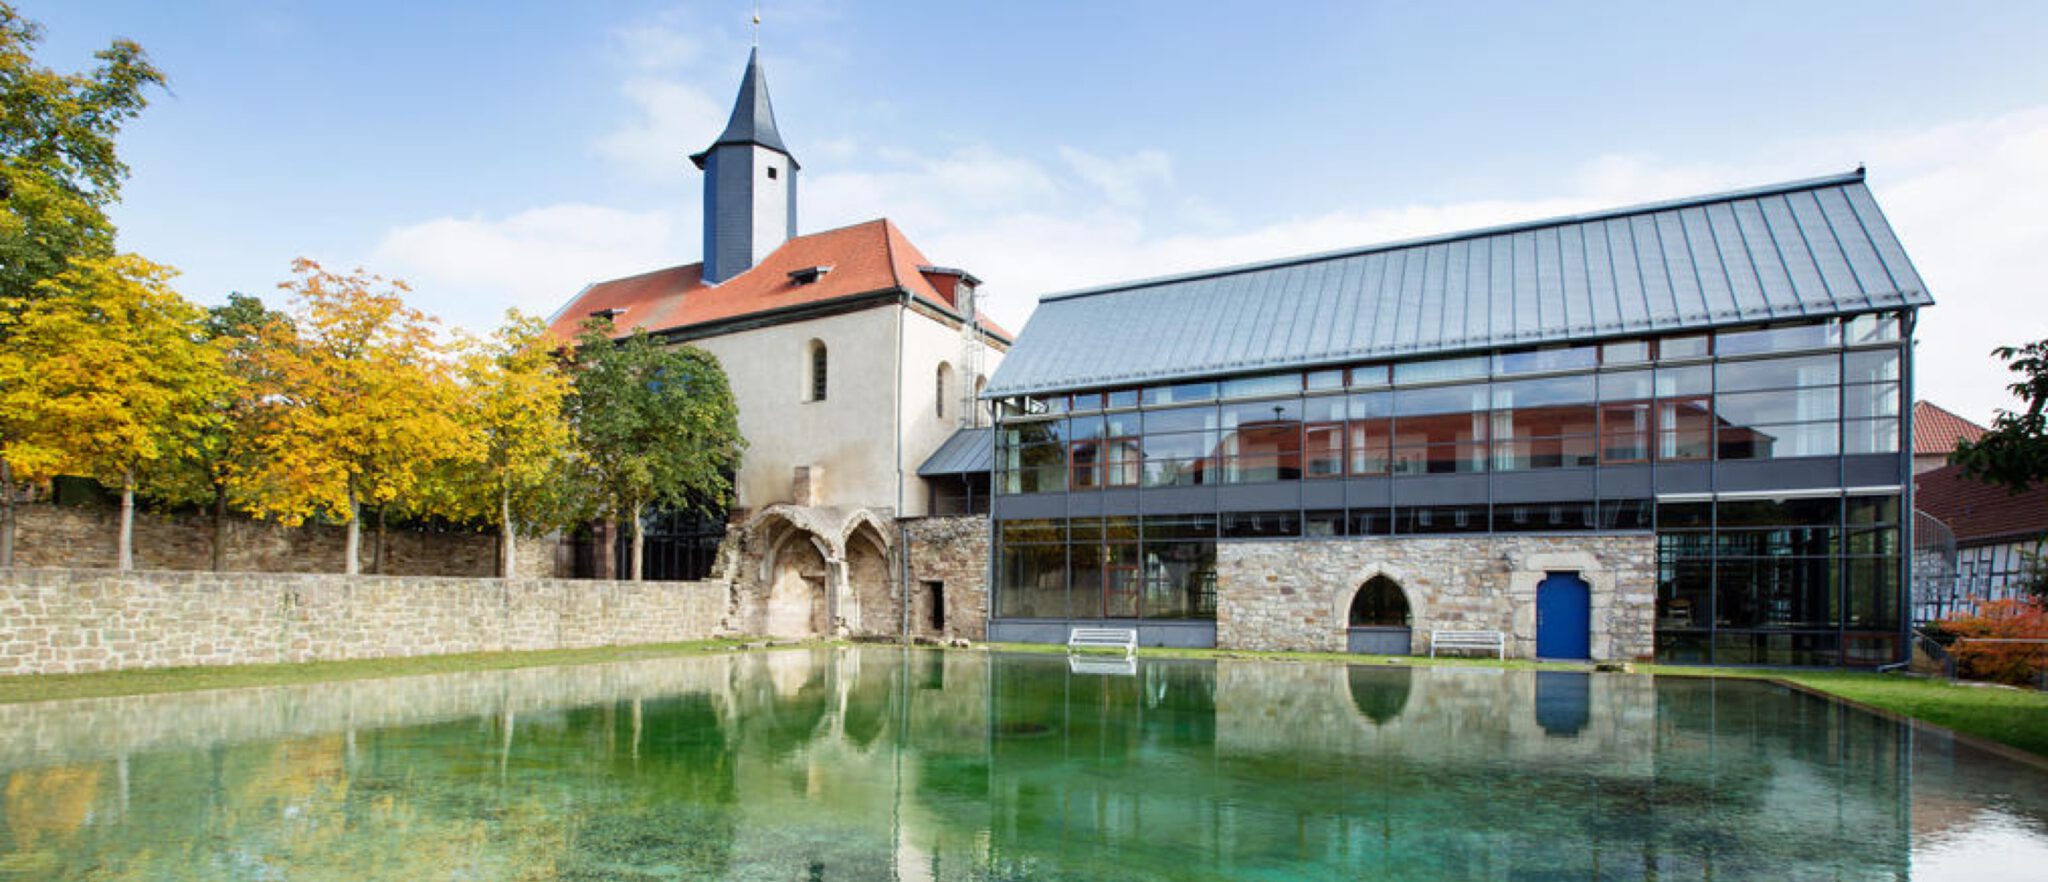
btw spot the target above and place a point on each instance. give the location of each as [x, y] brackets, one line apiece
[753, 116]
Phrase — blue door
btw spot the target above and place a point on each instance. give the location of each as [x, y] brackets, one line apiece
[1564, 617]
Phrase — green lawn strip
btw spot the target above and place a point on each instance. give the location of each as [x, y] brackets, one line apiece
[50, 687]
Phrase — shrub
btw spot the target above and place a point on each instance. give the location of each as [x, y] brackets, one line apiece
[2018, 664]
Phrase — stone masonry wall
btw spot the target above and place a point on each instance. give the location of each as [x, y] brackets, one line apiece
[75, 621]
[1297, 595]
[952, 551]
[66, 536]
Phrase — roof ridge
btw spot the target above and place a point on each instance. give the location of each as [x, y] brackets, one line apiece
[1836, 180]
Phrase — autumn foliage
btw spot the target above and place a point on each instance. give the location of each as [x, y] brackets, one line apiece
[2019, 663]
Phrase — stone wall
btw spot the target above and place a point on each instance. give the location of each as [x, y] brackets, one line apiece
[1297, 595]
[954, 552]
[83, 537]
[75, 621]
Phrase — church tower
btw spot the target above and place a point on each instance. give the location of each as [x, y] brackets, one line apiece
[749, 183]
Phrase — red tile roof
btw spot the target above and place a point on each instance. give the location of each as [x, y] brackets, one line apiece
[1979, 512]
[1936, 431]
[865, 258]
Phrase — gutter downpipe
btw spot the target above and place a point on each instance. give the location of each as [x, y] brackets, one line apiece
[1907, 540]
[902, 529]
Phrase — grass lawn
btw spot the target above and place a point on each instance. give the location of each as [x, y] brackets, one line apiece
[2014, 717]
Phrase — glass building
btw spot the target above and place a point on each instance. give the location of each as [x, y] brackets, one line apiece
[1719, 386]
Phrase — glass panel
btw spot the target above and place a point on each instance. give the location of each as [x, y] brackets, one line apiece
[1323, 524]
[1625, 429]
[1442, 519]
[1873, 509]
[1185, 445]
[1694, 380]
[1873, 327]
[1873, 590]
[1689, 346]
[1871, 436]
[1332, 378]
[1087, 531]
[1180, 472]
[1685, 515]
[1123, 398]
[1780, 592]
[1323, 450]
[1048, 404]
[1874, 540]
[1087, 401]
[1629, 385]
[1523, 517]
[1084, 466]
[1682, 647]
[1372, 404]
[1371, 522]
[1881, 400]
[1445, 399]
[1778, 441]
[1553, 359]
[1180, 527]
[1819, 511]
[1034, 582]
[1783, 406]
[1261, 442]
[1777, 373]
[1179, 580]
[1269, 384]
[1371, 446]
[1325, 408]
[1084, 581]
[1783, 338]
[1871, 366]
[1552, 452]
[1684, 429]
[1440, 369]
[1179, 394]
[1369, 376]
[1625, 352]
[1541, 393]
[1042, 432]
[1121, 582]
[1036, 530]
[1261, 525]
[1180, 419]
[1626, 514]
[1081, 427]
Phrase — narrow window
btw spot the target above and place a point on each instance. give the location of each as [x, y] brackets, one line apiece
[771, 172]
[936, 591]
[940, 386]
[818, 373]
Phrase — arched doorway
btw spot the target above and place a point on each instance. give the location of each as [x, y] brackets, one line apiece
[1564, 617]
[796, 604]
[1379, 621]
[871, 581]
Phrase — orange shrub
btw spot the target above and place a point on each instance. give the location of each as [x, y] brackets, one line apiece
[2019, 664]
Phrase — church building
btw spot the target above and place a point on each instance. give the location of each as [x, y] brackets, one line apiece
[853, 358]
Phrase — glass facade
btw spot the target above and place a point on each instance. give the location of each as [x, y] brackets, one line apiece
[1789, 582]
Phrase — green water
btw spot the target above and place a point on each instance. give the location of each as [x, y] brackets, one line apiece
[884, 764]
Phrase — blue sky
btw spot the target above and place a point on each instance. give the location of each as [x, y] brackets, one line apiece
[500, 154]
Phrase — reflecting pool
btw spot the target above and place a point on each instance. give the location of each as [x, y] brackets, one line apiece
[890, 764]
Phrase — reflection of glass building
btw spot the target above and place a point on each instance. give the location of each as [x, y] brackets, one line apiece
[1703, 396]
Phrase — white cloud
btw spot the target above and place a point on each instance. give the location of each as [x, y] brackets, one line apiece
[674, 119]
[1123, 180]
[468, 271]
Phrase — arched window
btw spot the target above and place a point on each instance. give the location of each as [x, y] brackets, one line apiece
[945, 372]
[818, 371]
[1379, 603]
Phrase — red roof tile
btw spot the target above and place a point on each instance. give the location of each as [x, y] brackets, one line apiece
[864, 258]
[1936, 431]
[1978, 511]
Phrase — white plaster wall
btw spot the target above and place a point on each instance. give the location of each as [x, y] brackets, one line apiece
[849, 435]
[927, 342]
[771, 202]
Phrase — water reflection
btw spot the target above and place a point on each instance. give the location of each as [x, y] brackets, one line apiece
[885, 764]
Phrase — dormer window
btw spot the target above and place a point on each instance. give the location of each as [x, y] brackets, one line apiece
[607, 313]
[809, 274]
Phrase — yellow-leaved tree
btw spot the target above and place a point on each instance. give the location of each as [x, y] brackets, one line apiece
[513, 388]
[360, 404]
[103, 375]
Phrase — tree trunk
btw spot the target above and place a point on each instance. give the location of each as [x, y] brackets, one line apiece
[220, 528]
[6, 514]
[354, 546]
[377, 553]
[125, 548]
[639, 542]
[508, 558]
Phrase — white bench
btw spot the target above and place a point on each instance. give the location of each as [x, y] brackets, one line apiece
[1492, 640]
[1125, 639]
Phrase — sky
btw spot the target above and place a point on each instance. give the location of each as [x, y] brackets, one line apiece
[503, 154]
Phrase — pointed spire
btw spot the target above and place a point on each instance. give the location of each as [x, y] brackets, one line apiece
[753, 115]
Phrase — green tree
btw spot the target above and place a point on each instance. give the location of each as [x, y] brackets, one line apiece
[2014, 453]
[656, 426]
[358, 403]
[515, 387]
[218, 451]
[105, 375]
[58, 172]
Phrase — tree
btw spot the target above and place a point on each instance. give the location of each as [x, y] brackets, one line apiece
[515, 386]
[58, 172]
[218, 450]
[358, 402]
[105, 374]
[58, 168]
[2014, 453]
[655, 426]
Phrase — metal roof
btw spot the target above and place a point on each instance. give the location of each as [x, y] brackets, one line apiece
[1806, 248]
[969, 451]
[753, 115]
